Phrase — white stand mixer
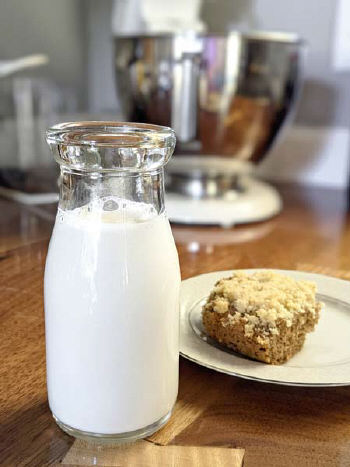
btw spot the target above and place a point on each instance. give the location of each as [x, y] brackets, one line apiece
[227, 96]
[235, 198]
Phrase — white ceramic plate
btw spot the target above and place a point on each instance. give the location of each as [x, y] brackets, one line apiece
[323, 361]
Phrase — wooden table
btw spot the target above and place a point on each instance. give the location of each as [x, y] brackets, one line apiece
[275, 425]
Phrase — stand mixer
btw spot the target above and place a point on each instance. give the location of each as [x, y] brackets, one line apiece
[227, 97]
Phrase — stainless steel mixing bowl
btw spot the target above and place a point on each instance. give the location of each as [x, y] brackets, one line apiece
[224, 96]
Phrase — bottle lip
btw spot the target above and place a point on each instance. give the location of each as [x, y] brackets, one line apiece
[111, 134]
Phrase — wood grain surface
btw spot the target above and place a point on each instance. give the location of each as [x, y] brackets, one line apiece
[274, 425]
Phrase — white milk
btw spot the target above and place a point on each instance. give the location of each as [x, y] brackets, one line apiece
[111, 308]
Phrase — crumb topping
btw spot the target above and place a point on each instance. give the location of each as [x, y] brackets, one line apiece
[261, 300]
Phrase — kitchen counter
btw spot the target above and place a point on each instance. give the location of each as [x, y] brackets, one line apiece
[274, 425]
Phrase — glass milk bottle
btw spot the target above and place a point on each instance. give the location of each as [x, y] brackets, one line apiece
[111, 282]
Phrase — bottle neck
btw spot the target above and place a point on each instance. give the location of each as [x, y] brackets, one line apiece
[78, 189]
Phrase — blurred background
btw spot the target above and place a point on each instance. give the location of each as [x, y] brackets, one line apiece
[255, 89]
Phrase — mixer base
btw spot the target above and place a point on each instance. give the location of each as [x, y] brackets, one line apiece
[257, 201]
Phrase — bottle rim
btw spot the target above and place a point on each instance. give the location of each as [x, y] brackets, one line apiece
[111, 134]
[114, 147]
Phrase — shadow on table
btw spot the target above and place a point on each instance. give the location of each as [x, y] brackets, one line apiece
[30, 437]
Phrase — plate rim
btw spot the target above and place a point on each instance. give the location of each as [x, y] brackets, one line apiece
[185, 313]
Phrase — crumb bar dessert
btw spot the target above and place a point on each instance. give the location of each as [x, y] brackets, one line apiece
[263, 315]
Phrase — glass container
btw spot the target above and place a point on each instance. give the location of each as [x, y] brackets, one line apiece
[112, 281]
